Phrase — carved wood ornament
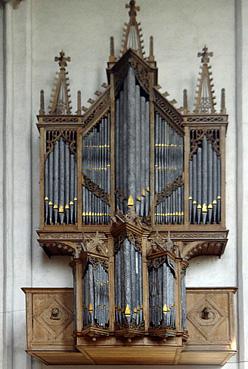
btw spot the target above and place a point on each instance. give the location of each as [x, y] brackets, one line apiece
[132, 188]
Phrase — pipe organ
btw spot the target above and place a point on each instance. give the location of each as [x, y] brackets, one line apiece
[132, 187]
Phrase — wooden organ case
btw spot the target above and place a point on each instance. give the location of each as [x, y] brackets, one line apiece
[131, 188]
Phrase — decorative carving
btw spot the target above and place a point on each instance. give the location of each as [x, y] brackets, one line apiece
[133, 238]
[214, 118]
[95, 189]
[55, 119]
[97, 110]
[68, 135]
[169, 189]
[197, 135]
[141, 72]
[61, 236]
[129, 217]
[206, 316]
[94, 261]
[173, 117]
[96, 243]
[55, 314]
[56, 246]
[198, 248]
[55, 317]
[157, 262]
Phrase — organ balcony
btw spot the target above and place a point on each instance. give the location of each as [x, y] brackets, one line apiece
[132, 188]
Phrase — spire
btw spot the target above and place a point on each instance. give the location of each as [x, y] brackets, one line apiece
[132, 36]
[60, 98]
[205, 99]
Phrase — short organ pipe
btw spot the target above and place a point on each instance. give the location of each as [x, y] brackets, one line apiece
[205, 180]
[60, 182]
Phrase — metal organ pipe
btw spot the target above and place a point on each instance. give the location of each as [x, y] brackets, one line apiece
[161, 294]
[60, 182]
[168, 170]
[96, 167]
[128, 284]
[132, 147]
[205, 180]
[95, 295]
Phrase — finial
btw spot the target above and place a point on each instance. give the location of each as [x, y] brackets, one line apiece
[79, 108]
[112, 57]
[42, 103]
[132, 32]
[185, 102]
[62, 59]
[60, 103]
[205, 54]
[223, 101]
[151, 51]
[133, 10]
[204, 98]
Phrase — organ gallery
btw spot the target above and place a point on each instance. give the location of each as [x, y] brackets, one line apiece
[131, 188]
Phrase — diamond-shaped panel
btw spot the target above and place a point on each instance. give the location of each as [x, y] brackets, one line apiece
[206, 316]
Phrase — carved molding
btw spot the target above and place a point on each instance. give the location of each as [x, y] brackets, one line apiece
[197, 136]
[141, 72]
[98, 108]
[205, 118]
[199, 248]
[169, 189]
[95, 189]
[68, 135]
[174, 117]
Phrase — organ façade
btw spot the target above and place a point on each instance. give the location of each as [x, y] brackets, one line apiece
[131, 188]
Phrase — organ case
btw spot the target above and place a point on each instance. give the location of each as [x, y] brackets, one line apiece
[132, 188]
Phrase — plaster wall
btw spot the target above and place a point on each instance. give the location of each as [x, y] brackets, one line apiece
[36, 32]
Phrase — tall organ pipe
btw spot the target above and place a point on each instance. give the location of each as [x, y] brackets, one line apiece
[132, 147]
[96, 167]
[131, 161]
[168, 167]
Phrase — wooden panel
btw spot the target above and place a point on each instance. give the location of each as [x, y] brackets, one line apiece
[204, 357]
[132, 355]
[210, 317]
[61, 358]
[49, 318]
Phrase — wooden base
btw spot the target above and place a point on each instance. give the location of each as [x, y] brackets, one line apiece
[167, 355]
[210, 340]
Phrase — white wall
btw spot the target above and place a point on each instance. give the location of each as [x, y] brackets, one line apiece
[35, 33]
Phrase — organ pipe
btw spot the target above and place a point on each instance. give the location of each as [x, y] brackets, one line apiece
[205, 181]
[132, 147]
[96, 166]
[128, 284]
[161, 293]
[60, 183]
[96, 295]
[168, 168]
